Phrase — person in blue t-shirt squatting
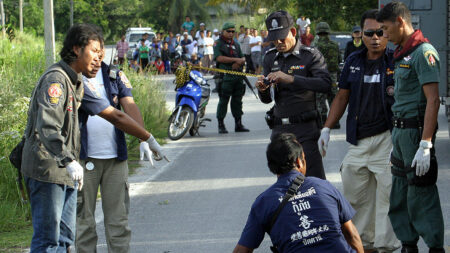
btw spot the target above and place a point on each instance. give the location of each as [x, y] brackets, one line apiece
[316, 219]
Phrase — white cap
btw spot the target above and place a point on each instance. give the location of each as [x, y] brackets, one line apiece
[178, 35]
[202, 24]
[215, 30]
[185, 33]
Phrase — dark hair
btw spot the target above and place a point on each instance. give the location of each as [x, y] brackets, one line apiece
[393, 10]
[242, 26]
[79, 35]
[370, 14]
[282, 153]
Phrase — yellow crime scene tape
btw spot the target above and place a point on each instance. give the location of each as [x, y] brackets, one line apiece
[182, 73]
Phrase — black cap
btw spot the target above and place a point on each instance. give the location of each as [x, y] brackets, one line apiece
[356, 29]
[278, 25]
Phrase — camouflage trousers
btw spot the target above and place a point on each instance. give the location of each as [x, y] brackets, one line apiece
[324, 100]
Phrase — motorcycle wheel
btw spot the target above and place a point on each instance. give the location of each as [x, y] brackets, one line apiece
[176, 130]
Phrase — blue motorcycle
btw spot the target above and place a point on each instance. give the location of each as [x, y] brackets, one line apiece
[190, 105]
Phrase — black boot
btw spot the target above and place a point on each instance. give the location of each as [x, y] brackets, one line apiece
[437, 250]
[222, 129]
[407, 248]
[239, 127]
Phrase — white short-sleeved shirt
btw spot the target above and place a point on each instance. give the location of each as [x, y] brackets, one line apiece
[201, 42]
[101, 134]
[209, 46]
[255, 40]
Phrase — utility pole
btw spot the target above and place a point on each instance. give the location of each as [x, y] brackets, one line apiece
[21, 15]
[71, 13]
[49, 33]
[2, 13]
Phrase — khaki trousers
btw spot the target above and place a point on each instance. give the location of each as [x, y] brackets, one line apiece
[207, 60]
[367, 181]
[112, 177]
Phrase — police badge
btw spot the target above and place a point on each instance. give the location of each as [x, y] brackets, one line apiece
[390, 90]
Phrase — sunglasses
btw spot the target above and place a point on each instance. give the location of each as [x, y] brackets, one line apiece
[230, 31]
[370, 33]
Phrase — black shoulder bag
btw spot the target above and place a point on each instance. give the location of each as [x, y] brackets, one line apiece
[298, 181]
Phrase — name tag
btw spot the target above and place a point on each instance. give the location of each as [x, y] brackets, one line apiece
[405, 66]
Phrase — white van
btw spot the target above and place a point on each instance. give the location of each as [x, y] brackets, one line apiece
[133, 36]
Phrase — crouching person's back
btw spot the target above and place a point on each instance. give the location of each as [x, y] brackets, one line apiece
[316, 219]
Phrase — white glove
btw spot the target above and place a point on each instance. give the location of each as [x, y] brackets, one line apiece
[422, 158]
[75, 170]
[156, 149]
[144, 151]
[323, 141]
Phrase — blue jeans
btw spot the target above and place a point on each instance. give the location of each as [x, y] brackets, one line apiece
[53, 210]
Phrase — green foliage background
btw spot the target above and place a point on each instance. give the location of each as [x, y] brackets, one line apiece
[115, 16]
[21, 63]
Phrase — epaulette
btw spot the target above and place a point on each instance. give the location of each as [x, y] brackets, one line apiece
[311, 49]
[273, 49]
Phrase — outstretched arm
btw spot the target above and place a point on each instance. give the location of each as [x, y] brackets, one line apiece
[352, 236]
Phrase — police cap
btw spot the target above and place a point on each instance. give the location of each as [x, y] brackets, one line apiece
[278, 25]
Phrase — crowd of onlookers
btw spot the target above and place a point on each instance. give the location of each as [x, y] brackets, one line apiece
[165, 52]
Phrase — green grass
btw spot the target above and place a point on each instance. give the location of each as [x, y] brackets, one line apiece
[22, 61]
[16, 241]
[150, 97]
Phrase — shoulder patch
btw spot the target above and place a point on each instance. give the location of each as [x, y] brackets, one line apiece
[125, 80]
[54, 93]
[430, 57]
[91, 87]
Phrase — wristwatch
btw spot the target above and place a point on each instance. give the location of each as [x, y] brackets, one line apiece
[425, 144]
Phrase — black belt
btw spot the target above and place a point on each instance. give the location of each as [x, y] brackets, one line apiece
[406, 123]
[303, 117]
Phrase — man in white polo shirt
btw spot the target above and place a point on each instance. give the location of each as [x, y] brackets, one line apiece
[255, 49]
[104, 158]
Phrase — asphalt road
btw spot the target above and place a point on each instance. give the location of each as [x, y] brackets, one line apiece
[199, 202]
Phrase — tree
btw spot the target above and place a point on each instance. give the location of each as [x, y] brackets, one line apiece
[340, 15]
[169, 15]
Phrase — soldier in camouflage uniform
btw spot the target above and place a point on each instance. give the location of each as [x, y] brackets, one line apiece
[329, 50]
